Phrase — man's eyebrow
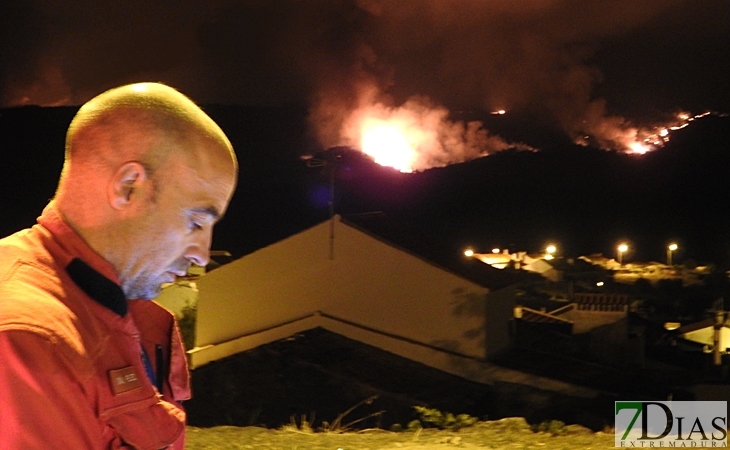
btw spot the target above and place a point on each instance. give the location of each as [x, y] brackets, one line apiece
[211, 211]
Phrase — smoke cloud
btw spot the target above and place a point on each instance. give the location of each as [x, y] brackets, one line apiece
[578, 64]
[426, 128]
[529, 57]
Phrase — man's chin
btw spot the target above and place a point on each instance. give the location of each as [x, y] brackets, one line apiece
[152, 293]
[145, 294]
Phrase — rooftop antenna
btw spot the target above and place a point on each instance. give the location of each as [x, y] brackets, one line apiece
[329, 160]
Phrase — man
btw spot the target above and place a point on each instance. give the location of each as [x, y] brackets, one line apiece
[85, 363]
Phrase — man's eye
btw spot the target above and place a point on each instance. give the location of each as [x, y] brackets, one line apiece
[195, 225]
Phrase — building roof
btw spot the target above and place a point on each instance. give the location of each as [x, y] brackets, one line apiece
[611, 299]
[437, 251]
[707, 323]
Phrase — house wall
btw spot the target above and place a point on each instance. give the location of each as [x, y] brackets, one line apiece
[379, 285]
[609, 344]
[707, 336]
[584, 321]
[368, 283]
[278, 283]
[498, 306]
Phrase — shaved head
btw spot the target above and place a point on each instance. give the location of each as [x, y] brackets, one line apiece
[126, 123]
[146, 176]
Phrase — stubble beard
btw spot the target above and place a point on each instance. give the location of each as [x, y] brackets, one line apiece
[142, 288]
[148, 287]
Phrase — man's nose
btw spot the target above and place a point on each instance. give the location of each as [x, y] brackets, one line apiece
[198, 255]
[199, 252]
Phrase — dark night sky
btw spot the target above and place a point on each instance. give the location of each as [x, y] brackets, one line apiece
[573, 62]
[561, 68]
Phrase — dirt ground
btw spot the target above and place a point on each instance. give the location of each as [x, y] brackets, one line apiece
[508, 433]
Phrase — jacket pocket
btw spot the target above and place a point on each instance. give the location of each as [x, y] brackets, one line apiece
[148, 424]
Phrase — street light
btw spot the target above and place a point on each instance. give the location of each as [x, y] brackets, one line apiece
[549, 252]
[671, 248]
[621, 250]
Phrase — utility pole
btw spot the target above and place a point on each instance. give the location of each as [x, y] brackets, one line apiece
[719, 308]
[332, 168]
[328, 162]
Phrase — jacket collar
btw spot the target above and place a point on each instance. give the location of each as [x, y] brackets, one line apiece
[88, 269]
[97, 286]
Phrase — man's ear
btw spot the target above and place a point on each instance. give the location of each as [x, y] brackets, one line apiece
[126, 184]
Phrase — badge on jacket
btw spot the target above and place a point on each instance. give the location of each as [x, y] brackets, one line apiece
[124, 380]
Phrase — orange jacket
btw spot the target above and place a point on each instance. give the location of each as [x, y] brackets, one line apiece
[71, 371]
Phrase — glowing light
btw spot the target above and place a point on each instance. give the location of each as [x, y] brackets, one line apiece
[622, 248]
[469, 253]
[499, 112]
[599, 284]
[139, 88]
[549, 252]
[495, 250]
[670, 249]
[387, 144]
[638, 147]
[416, 135]
[658, 136]
[618, 135]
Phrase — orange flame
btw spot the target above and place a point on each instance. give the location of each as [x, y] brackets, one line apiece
[418, 135]
[387, 144]
[638, 147]
[657, 137]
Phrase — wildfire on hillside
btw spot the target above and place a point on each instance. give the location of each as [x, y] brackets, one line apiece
[388, 145]
[419, 135]
[652, 138]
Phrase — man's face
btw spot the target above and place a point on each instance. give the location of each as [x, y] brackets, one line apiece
[175, 225]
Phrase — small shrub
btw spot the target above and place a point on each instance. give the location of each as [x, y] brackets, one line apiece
[303, 427]
[414, 425]
[444, 421]
[338, 427]
[554, 427]
[186, 323]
